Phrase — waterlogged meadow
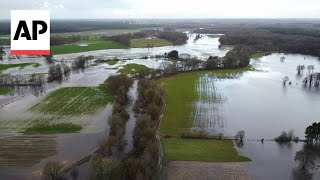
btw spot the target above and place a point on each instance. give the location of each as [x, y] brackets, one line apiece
[65, 110]
[193, 102]
[74, 101]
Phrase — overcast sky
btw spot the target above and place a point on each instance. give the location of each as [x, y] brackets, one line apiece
[106, 9]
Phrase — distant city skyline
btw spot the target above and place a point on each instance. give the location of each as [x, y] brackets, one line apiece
[167, 9]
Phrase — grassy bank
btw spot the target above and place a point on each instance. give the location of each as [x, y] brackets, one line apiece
[177, 149]
[132, 69]
[112, 62]
[53, 128]
[92, 45]
[143, 43]
[74, 101]
[21, 66]
[259, 55]
[5, 90]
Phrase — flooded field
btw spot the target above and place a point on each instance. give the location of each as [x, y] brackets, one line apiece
[27, 105]
[254, 101]
[258, 103]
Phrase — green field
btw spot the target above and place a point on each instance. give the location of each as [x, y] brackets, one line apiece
[5, 90]
[178, 117]
[53, 128]
[132, 69]
[74, 101]
[111, 63]
[177, 149]
[92, 46]
[5, 40]
[143, 43]
[260, 55]
[181, 94]
[22, 65]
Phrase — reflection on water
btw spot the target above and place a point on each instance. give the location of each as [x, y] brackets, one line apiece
[259, 103]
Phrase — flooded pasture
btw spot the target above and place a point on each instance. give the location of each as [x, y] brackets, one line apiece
[260, 104]
[254, 101]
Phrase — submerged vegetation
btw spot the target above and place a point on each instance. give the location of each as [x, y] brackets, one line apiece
[134, 69]
[53, 128]
[21, 66]
[142, 161]
[5, 90]
[148, 43]
[74, 101]
[171, 36]
[179, 117]
[260, 55]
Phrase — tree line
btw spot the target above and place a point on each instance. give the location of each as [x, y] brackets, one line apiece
[142, 161]
[177, 38]
[105, 166]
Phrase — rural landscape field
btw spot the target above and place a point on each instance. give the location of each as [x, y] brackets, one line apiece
[152, 90]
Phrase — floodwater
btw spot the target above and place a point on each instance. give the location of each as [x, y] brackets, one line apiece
[258, 103]
[202, 49]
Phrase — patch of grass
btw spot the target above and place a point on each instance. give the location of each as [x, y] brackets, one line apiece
[92, 46]
[22, 65]
[176, 149]
[74, 101]
[113, 62]
[53, 128]
[5, 90]
[143, 43]
[259, 55]
[5, 41]
[132, 69]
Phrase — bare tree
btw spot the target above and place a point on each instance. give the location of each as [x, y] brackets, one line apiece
[51, 170]
[240, 135]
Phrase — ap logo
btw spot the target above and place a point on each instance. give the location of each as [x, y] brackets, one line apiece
[30, 32]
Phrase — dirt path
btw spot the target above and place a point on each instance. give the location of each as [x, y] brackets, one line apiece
[184, 170]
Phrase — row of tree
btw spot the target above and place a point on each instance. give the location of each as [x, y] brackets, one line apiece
[1, 53]
[262, 41]
[61, 40]
[142, 162]
[177, 38]
[57, 72]
[16, 80]
[105, 165]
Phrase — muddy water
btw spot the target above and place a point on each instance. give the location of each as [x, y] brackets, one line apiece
[203, 48]
[258, 103]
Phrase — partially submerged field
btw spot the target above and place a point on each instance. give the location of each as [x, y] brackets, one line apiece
[74, 101]
[86, 45]
[5, 90]
[65, 110]
[144, 43]
[21, 66]
[131, 69]
[190, 100]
